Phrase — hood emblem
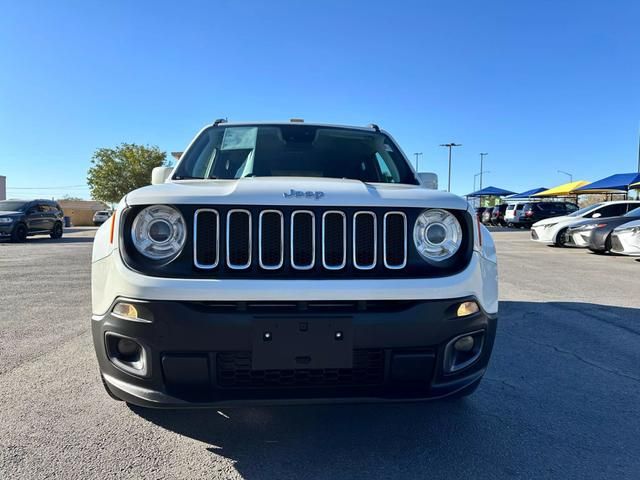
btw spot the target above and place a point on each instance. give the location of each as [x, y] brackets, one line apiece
[300, 194]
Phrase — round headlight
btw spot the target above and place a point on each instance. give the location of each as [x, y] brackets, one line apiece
[437, 235]
[159, 232]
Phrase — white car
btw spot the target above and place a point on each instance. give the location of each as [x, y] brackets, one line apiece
[101, 216]
[291, 262]
[554, 230]
[513, 210]
[626, 239]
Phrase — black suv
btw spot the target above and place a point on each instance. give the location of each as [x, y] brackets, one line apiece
[21, 218]
[533, 212]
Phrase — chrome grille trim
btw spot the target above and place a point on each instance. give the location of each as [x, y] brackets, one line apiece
[384, 240]
[229, 264]
[375, 241]
[344, 240]
[294, 265]
[260, 262]
[195, 239]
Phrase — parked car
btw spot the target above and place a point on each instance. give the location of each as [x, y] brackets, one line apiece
[513, 210]
[486, 216]
[626, 239]
[479, 212]
[22, 218]
[595, 234]
[534, 212]
[101, 216]
[497, 215]
[553, 230]
[260, 269]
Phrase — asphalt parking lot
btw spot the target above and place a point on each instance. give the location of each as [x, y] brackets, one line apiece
[560, 400]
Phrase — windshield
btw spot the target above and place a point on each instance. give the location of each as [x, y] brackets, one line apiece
[582, 211]
[294, 151]
[12, 205]
[633, 213]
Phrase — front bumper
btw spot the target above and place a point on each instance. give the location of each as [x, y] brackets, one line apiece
[579, 238]
[6, 229]
[203, 354]
[625, 243]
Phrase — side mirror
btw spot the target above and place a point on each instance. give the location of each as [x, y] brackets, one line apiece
[428, 180]
[596, 215]
[160, 174]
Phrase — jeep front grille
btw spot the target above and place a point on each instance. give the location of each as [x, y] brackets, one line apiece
[331, 240]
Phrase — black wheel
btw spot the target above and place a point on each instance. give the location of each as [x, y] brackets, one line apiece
[57, 230]
[607, 245]
[560, 238]
[19, 233]
[109, 392]
[465, 392]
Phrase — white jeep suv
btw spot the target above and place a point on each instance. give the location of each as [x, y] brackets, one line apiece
[291, 262]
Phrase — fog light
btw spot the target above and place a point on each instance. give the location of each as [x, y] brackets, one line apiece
[128, 348]
[126, 310]
[127, 354]
[467, 308]
[464, 344]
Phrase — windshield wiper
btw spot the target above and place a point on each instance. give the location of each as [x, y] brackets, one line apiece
[188, 177]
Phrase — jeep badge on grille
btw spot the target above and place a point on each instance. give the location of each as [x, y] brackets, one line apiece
[299, 194]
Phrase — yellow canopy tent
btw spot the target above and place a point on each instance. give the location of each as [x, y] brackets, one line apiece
[563, 190]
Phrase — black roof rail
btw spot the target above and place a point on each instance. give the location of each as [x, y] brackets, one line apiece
[374, 126]
[218, 121]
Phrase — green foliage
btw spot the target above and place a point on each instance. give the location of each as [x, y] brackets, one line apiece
[117, 171]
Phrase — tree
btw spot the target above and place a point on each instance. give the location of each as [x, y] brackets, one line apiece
[117, 171]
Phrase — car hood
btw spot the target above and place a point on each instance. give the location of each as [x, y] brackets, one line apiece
[632, 223]
[548, 221]
[610, 221]
[294, 191]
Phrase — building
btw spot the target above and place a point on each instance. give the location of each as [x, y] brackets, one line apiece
[3, 187]
[81, 211]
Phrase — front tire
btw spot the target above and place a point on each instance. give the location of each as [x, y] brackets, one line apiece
[19, 233]
[560, 240]
[57, 231]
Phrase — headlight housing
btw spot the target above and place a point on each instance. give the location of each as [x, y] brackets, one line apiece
[159, 232]
[6, 220]
[437, 235]
[632, 230]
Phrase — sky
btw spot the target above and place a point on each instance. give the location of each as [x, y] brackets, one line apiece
[540, 85]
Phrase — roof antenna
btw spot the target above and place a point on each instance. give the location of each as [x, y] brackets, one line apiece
[375, 127]
[218, 121]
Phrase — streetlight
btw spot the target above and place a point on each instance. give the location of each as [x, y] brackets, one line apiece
[482, 155]
[417, 154]
[567, 173]
[476, 176]
[450, 146]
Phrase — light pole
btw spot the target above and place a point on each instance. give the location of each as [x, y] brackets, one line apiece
[476, 176]
[482, 155]
[417, 154]
[567, 173]
[450, 146]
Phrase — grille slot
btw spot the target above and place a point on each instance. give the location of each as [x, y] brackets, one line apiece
[238, 239]
[303, 240]
[285, 240]
[365, 233]
[271, 239]
[206, 234]
[334, 240]
[234, 371]
[395, 240]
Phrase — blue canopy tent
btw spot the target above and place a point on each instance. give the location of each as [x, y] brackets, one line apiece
[618, 183]
[527, 194]
[491, 192]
